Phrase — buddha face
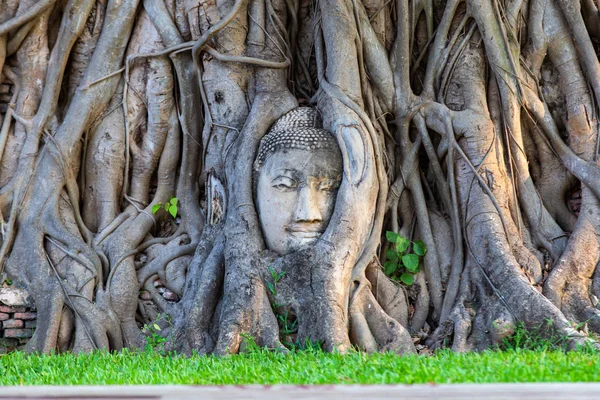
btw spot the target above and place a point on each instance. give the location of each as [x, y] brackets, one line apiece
[296, 194]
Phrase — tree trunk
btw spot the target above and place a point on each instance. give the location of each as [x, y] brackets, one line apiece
[135, 135]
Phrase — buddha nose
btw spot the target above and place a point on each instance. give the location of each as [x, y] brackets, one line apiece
[307, 207]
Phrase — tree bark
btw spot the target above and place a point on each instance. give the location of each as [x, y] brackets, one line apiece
[130, 130]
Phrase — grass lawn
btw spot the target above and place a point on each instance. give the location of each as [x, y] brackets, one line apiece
[308, 367]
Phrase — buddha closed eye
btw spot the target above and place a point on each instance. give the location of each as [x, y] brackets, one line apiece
[322, 183]
[299, 168]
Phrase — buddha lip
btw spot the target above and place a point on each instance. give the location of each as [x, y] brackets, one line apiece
[306, 234]
[306, 230]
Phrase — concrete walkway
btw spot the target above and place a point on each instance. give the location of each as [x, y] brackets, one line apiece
[546, 391]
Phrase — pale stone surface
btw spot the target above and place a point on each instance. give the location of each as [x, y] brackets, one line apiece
[521, 391]
[15, 297]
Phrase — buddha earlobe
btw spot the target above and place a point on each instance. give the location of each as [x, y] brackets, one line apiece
[353, 151]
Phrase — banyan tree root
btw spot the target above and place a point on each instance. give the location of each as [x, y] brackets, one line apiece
[470, 125]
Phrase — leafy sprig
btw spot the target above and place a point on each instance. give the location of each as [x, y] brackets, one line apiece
[170, 207]
[403, 258]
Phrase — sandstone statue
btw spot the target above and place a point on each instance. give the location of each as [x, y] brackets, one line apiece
[299, 168]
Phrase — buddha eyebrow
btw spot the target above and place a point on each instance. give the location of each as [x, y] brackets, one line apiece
[328, 177]
[289, 172]
[332, 175]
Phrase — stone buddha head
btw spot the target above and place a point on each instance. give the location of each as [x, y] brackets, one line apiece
[297, 172]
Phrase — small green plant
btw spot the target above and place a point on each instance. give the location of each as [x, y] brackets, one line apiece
[403, 258]
[249, 345]
[287, 324]
[276, 278]
[535, 339]
[544, 339]
[154, 340]
[170, 207]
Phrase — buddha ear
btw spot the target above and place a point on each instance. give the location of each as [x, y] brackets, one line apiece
[354, 152]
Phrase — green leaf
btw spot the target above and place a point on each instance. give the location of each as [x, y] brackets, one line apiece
[155, 326]
[420, 248]
[390, 267]
[391, 255]
[407, 279]
[392, 236]
[173, 201]
[411, 262]
[167, 205]
[173, 210]
[156, 207]
[402, 244]
[271, 288]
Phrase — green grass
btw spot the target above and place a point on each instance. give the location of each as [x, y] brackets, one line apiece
[309, 367]
[527, 356]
